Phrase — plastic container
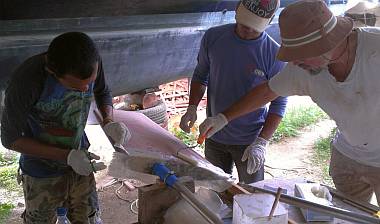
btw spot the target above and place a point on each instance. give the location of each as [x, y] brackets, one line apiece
[61, 216]
[255, 209]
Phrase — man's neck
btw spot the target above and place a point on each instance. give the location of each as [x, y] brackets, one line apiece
[247, 36]
[341, 68]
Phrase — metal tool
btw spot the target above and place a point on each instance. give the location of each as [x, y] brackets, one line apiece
[89, 158]
[301, 203]
[92, 164]
[200, 140]
[170, 179]
[362, 205]
[187, 158]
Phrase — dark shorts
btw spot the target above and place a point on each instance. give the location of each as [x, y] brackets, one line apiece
[224, 156]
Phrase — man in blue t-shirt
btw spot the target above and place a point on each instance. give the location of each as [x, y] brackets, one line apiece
[233, 59]
[47, 102]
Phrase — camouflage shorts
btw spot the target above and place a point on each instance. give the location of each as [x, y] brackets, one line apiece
[43, 195]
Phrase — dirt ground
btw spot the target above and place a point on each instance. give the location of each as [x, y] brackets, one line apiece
[292, 157]
[116, 210]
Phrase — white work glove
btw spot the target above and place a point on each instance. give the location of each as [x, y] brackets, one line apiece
[255, 153]
[321, 192]
[118, 132]
[212, 125]
[82, 162]
[189, 118]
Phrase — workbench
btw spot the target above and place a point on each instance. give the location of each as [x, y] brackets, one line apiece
[294, 212]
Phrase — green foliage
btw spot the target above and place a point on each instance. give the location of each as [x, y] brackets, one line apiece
[8, 175]
[297, 118]
[8, 171]
[190, 139]
[8, 182]
[322, 156]
[322, 147]
[4, 161]
[5, 211]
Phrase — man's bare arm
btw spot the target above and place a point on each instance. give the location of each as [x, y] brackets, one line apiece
[197, 90]
[33, 147]
[256, 98]
[271, 123]
[107, 113]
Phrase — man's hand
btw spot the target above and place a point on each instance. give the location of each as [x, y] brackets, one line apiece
[118, 132]
[255, 153]
[189, 118]
[82, 162]
[212, 125]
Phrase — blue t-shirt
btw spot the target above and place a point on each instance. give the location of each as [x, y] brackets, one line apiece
[58, 118]
[230, 67]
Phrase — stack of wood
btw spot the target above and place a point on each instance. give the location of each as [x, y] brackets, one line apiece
[176, 96]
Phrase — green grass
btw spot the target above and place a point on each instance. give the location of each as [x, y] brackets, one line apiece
[8, 175]
[8, 182]
[5, 211]
[8, 172]
[322, 156]
[297, 118]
